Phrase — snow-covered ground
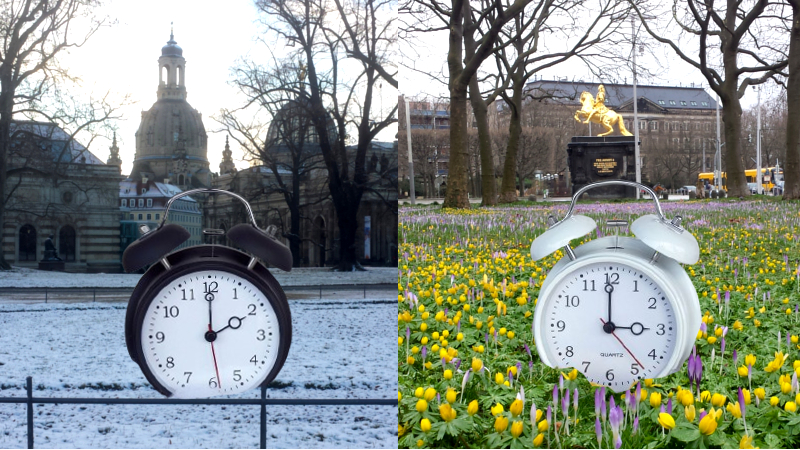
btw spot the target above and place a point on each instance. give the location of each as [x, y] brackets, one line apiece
[341, 348]
[303, 276]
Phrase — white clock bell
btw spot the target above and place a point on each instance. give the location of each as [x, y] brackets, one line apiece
[618, 309]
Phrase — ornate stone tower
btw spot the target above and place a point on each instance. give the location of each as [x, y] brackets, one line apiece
[113, 158]
[171, 141]
[226, 166]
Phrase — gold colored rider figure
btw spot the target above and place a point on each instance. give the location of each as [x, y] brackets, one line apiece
[595, 110]
[600, 107]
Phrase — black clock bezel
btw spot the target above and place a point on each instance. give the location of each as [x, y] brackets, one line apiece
[194, 259]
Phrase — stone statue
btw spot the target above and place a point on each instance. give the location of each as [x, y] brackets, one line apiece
[595, 110]
[50, 250]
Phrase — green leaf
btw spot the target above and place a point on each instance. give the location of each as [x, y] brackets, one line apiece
[772, 441]
[685, 433]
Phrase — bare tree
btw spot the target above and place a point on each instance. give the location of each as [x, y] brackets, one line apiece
[792, 180]
[33, 34]
[746, 49]
[330, 45]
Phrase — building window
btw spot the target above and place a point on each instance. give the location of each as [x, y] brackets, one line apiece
[66, 243]
[131, 216]
[672, 102]
[674, 128]
[140, 217]
[683, 103]
[694, 103]
[149, 202]
[125, 202]
[707, 126]
[144, 190]
[642, 124]
[704, 103]
[141, 203]
[661, 102]
[27, 243]
[654, 125]
[157, 216]
[149, 217]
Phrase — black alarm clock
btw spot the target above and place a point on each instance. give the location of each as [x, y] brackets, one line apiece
[207, 320]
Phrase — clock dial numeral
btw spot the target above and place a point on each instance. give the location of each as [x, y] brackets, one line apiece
[191, 294]
[261, 335]
[573, 301]
[171, 312]
[587, 283]
[586, 365]
[170, 362]
[612, 278]
[254, 360]
[652, 304]
[610, 375]
[635, 369]
[212, 383]
[569, 351]
[210, 288]
[635, 285]
[561, 325]
[234, 294]
[188, 375]
[160, 337]
[652, 354]
[252, 309]
[660, 328]
[237, 375]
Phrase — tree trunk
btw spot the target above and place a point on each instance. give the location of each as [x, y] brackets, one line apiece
[732, 125]
[507, 189]
[457, 196]
[6, 109]
[488, 187]
[792, 168]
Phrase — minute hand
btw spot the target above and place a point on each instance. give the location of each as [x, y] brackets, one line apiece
[609, 289]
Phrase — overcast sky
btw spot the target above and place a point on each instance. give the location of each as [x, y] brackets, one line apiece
[123, 58]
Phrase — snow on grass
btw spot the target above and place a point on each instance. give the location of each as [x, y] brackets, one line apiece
[302, 276]
[339, 350]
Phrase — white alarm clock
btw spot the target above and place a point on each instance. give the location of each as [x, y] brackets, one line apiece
[618, 309]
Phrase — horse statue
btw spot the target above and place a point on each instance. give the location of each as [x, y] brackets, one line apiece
[598, 113]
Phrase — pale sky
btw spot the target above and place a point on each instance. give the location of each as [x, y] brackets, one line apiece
[123, 58]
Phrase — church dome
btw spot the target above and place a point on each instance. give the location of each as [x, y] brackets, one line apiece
[168, 124]
[171, 49]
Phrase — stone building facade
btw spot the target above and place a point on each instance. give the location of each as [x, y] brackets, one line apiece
[59, 188]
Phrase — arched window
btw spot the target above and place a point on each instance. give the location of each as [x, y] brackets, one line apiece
[180, 75]
[181, 180]
[27, 243]
[163, 75]
[66, 243]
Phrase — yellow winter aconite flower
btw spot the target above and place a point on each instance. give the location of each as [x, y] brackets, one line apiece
[425, 424]
[498, 378]
[430, 394]
[685, 397]
[746, 395]
[472, 408]
[666, 421]
[746, 442]
[718, 400]
[733, 408]
[712, 339]
[497, 409]
[750, 360]
[451, 395]
[411, 360]
[760, 393]
[419, 392]
[537, 441]
[477, 364]
[570, 376]
[786, 388]
[516, 428]
[790, 406]
[742, 371]
[500, 424]
[422, 405]
[738, 326]
[420, 442]
[516, 407]
[543, 426]
[774, 401]
[447, 412]
[655, 399]
[708, 424]
[705, 396]
[689, 412]
[448, 374]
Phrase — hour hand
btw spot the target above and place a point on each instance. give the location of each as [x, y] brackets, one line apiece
[609, 289]
[233, 323]
[636, 328]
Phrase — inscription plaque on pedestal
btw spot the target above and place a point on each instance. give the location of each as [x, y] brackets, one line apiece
[595, 158]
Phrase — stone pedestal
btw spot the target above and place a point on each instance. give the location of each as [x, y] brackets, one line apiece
[51, 265]
[593, 158]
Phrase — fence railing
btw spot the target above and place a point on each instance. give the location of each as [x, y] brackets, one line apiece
[47, 294]
[30, 401]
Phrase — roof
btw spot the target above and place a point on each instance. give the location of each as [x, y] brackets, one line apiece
[54, 134]
[618, 94]
[127, 188]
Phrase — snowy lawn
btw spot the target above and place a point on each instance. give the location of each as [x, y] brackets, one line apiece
[339, 350]
[303, 276]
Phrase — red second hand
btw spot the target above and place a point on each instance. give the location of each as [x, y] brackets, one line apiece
[625, 346]
[219, 381]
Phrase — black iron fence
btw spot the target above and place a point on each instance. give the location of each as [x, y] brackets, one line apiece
[30, 401]
[82, 294]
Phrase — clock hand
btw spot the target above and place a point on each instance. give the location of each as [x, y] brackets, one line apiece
[209, 299]
[636, 328]
[213, 354]
[609, 289]
[623, 345]
[234, 323]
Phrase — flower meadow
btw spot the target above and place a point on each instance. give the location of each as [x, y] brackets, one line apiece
[469, 374]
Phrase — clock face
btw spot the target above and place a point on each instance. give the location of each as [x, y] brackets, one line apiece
[210, 333]
[612, 323]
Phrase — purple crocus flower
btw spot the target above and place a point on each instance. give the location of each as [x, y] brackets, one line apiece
[424, 351]
[519, 368]
[560, 383]
[457, 363]
[438, 398]
[699, 370]
[555, 396]
[722, 344]
[598, 430]
[444, 361]
[528, 350]
[565, 404]
[635, 424]
[549, 415]
[575, 400]
[511, 378]
[700, 417]
[603, 410]
[408, 333]
[669, 406]
[638, 394]
[741, 402]
[530, 366]
[597, 402]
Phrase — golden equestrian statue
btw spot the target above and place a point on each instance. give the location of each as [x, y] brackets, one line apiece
[596, 111]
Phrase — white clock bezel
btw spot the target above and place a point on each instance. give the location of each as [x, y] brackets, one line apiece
[665, 272]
